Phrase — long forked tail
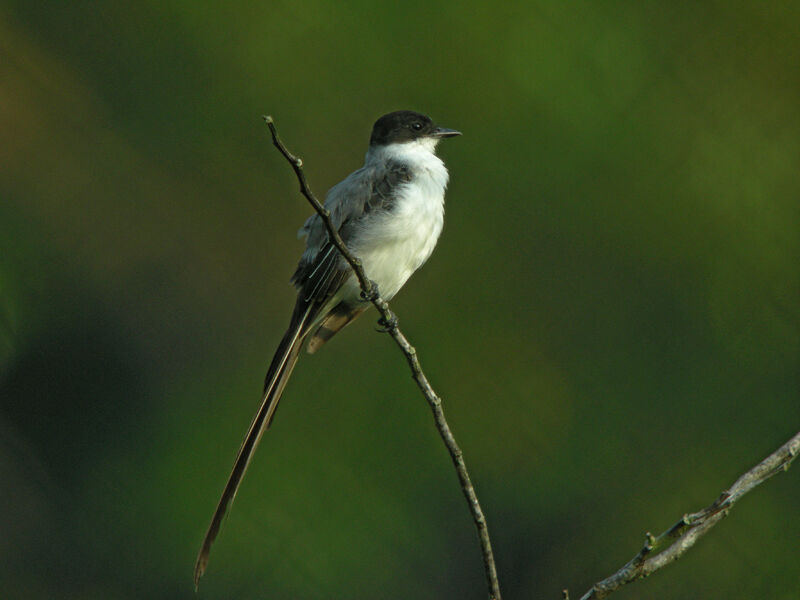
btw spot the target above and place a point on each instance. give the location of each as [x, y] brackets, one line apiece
[278, 374]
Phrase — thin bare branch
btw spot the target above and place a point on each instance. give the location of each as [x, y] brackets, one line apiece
[675, 541]
[388, 321]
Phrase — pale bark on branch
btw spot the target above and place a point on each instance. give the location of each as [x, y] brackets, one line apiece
[668, 547]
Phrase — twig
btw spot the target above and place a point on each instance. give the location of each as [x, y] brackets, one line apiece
[675, 541]
[388, 322]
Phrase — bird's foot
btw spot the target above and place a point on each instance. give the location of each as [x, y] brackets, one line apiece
[373, 292]
[386, 325]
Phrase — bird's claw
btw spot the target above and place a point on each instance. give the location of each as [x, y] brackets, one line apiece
[373, 292]
[387, 325]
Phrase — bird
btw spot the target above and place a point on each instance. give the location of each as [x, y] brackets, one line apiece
[390, 214]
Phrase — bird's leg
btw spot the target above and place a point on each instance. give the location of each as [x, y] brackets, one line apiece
[387, 324]
[373, 292]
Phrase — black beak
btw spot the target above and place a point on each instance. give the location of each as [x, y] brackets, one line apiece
[444, 132]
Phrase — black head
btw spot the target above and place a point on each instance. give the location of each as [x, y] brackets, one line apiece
[406, 126]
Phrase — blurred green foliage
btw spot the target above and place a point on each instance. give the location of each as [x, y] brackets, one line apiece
[612, 314]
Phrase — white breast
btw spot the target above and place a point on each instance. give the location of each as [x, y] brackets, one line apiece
[394, 244]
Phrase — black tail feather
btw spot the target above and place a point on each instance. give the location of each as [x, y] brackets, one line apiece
[278, 374]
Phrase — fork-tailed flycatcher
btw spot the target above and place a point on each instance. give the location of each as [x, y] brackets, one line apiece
[390, 214]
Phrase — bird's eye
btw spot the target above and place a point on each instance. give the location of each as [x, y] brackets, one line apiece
[416, 126]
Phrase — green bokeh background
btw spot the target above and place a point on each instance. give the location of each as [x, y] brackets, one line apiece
[612, 315]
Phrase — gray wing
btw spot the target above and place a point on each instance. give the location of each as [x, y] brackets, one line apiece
[370, 189]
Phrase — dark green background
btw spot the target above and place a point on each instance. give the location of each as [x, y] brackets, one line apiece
[612, 315]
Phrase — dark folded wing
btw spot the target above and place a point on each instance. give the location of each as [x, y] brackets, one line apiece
[366, 192]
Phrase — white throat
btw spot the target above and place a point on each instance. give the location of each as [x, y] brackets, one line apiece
[419, 154]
